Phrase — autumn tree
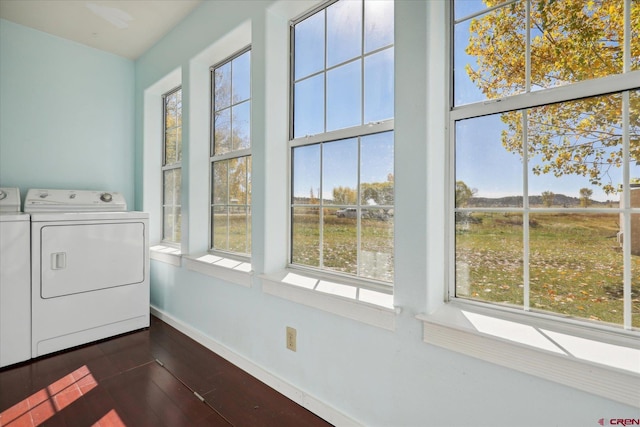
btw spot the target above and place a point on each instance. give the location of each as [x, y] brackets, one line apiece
[547, 198]
[463, 194]
[344, 196]
[571, 41]
[585, 197]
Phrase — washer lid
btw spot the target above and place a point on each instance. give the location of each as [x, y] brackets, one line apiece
[39, 200]
[9, 199]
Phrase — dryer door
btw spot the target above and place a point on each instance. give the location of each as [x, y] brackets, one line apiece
[87, 257]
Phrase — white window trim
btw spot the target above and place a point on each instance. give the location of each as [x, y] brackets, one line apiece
[230, 270]
[341, 298]
[169, 254]
[168, 167]
[525, 343]
[445, 324]
[358, 131]
[235, 154]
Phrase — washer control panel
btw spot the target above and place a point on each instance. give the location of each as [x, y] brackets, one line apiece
[39, 200]
[9, 199]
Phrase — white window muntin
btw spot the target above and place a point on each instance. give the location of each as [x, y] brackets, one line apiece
[365, 129]
[226, 156]
[612, 84]
[175, 166]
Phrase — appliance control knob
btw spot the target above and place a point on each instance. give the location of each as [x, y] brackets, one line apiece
[3, 195]
[106, 197]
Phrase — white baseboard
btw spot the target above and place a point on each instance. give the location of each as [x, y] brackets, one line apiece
[303, 399]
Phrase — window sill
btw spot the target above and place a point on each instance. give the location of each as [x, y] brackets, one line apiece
[166, 254]
[608, 366]
[363, 305]
[230, 270]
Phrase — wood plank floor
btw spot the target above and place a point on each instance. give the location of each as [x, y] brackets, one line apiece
[119, 382]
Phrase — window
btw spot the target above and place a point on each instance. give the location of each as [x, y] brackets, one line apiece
[546, 188]
[171, 166]
[341, 140]
[231, 155]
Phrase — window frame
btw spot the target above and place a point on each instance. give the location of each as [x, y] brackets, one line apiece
[232, 154]
[177, 166]
[353, 132]
[609, 85]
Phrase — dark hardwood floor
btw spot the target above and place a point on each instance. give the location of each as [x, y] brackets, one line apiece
[145, 378]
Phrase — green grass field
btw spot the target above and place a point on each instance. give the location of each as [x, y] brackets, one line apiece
[576, 263]
[340, 249]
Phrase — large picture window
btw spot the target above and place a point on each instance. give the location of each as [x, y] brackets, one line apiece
[342, 143]
[231, 155]
[171, 166]
[546, 188]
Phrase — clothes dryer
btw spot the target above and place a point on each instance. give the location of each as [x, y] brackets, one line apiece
[15, 280]
[90, 268]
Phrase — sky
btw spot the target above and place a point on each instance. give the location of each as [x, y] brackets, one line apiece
[481, 160]
[357, 90]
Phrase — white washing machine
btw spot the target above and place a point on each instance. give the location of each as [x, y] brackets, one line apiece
[89, 268]
[15, 280]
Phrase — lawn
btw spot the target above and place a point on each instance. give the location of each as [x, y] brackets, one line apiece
[576, 263]
[340, 243]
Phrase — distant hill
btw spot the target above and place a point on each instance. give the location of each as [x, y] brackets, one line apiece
[559, 200]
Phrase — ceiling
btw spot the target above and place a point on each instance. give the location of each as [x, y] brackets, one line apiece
[123, 27]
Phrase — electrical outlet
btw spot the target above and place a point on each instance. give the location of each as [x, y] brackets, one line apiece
[291, 338]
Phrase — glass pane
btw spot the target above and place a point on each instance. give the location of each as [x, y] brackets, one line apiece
[179, 108]
[487, 174]
[575, 267]
[168, 228]
[340, 171]
[238, 181]
[179, 144]
[378, 86]
[635, 261]
[344, 91]
[305, 246]
[309, 46]
[575, 151]
[489, 57]
[306, 174]
[238, 229]
[241, 125]
[378, 24]
[308, 116]
[220, 183]
[635, 37]
[634, 136]
[170, 103]
[177, 227]
[220, 228]
[340, 243]
[170, 147]
[574, 41]
[222, 132]
[241, 77]
[464, 8]
[376, 244]
[177, 190]
[344, 31]
[248, 160]
[168, 187]
[489, 256]
[376, 169]
[222, 85]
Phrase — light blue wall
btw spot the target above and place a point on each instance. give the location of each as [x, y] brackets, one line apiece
[66, 114]
[377, 377]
